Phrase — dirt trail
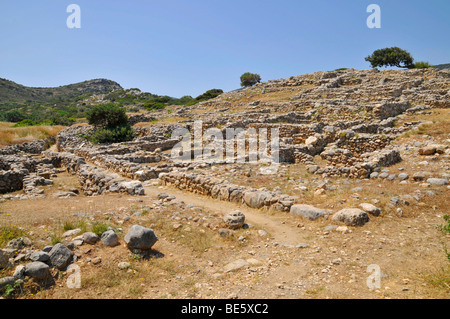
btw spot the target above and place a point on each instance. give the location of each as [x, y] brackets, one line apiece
[274, 225]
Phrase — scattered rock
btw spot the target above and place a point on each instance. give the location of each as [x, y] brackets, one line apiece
[37, 270]
[60, 256]
[351, 216]
[371, 209]
[234, 220]
[139, 237]
[307, 211]
[235, 265]
[110, 238]
[124, 265]
[40, 256]
[90, 238]
[437, 181]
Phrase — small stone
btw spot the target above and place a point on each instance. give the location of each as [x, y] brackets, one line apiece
[124, 265]
[19, 273]
[40, 256]
[262, 233]
[371, 209]
[437, 181]
[72, 232]
[90, 238]
[235, 265]
[225, 232]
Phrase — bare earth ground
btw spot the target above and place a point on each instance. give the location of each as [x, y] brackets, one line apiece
[409, 251]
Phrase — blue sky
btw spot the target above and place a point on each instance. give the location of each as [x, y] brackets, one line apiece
[177, 48]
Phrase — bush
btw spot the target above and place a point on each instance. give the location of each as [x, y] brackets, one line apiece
[210, 94]
[250, 79]
[391, 57]
[112, 135]
[107, 116]
[422, 65]
[24, 123]
[154, 106]
[14, 116]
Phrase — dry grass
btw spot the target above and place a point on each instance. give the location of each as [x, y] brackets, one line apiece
[439, 126]
[17, 135]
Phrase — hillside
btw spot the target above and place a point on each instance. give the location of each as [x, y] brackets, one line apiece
[14, 92]
[442, 66]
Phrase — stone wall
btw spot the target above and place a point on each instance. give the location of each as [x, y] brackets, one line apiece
[222, 190]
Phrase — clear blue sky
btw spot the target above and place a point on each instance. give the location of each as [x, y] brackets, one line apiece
[178, 48]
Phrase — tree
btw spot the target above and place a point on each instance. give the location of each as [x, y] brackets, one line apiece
[250, 79]
[391, 57]
[14, 116]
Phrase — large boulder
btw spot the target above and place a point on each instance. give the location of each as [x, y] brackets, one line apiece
[37, 270]
[139, 237]
[307, 211]
[110, 238]
[256, 199]
[132, 187]
[351, 216]
[234, 220]
[60, 256]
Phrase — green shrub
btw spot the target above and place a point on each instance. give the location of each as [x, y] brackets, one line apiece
[422, 65]
[210, 94]
[154, 106]
[250, 79]
[14, 116]
[112, 135]
[107, 116]
[26, 122]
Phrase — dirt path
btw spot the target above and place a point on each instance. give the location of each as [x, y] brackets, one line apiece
[274, 225]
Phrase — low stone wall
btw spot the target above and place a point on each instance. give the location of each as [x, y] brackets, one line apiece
[34, 147]
[219, 189]
[94, 180]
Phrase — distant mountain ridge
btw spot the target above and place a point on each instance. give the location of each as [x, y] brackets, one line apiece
[442, 66]
[13, 92]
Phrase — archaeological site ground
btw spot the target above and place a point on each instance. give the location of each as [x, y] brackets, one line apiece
[357, 205]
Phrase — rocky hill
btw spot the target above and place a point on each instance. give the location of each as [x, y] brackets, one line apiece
[14, 92]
